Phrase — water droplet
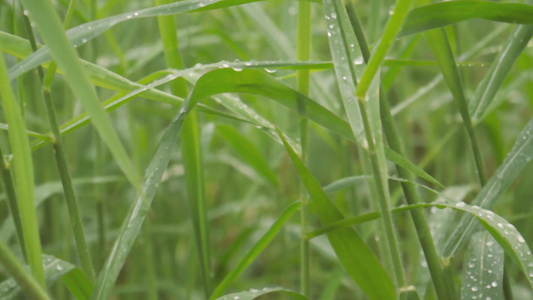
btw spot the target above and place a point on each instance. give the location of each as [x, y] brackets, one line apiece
[237, 69]
[460, 204]
[329, 33]
[358, 60]
[26, 12]
[344, 78]
[270, 71]
[128, 17]
[521, 239]
[333, 15]
[59, 268]
[494, 284]
[84, 41]
[500, 225]
[136, 14]
[471, 265]
[474, 289]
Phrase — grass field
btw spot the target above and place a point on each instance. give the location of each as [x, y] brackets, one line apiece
[280, 149]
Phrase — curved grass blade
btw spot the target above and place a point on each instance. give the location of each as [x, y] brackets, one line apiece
[254, 252]
[54, 269]
[440, 46]
[343, 183]
[427, 17]
[85, 32]
[51, 30]
[254, 294]
[491, 83]
[132, 223]
[249, 153]
[78, 284]
[351, 250]
[25, 188]
[483, 270]
[514, 163]
[411, 167]
[19, 276]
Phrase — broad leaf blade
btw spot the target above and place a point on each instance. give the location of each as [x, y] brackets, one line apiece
[351, 250]
[514, 163]
[483, 270]
[442, 14]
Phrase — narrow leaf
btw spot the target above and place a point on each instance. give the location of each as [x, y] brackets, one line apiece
[351, 250]
[254, 294]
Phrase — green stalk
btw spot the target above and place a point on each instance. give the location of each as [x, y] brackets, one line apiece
[28, 284]
[393, 26]
[191, 150]
[9, 190]
[61, 160]
[303, 53]
[410, 192]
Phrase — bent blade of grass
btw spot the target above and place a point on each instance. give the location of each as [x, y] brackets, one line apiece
[23, 162]
[254, 252]
[401, 161]
[132, 223]
[483, 270]
[54, 269]
[351, 250]
[51, 30]
[440, 46]
[85, 32]
[516, 160]
[254, 294]
[78, 284]
[391, 30]
[249, 152]
[435, 15]
[19, 275]
[491, 83]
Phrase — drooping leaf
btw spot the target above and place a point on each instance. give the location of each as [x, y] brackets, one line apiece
[254, 294]
[353, 253]
[514, 163]
[435, 15]
[483, 269]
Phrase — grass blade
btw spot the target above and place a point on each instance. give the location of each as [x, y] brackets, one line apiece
[85, 32]
[411, 167]
[20, 147]
[483, 270]
[438, 42]
[254, 294]
[435, 15]
[352, 252]
[78, 284]
[514, 163]
[491, 83]
[20, 275]
[132, 223]
[51, 30]
[254, 252]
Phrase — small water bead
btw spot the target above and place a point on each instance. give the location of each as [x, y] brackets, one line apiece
[128, 17]
[334, 15]
[344, 78]
[358, 60]
[471, 265]
[329, 33]
[460, 204]
[236, 298]
[521, 239]
[500, 225]
[331, 26]
[474, 289]
[136, 14]
[225, 65]
[26, 12]
[59, 268]
[270, 71]
[494, 284]
[84, 41]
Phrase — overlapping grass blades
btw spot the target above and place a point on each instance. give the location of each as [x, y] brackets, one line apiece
[514, 163]
[20, 147]
[256, 293]
[51, 30]
[483, 270]
[435, 15]
[351, 250]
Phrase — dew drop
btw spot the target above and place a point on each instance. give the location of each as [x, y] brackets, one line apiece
[26, 12]
[333, 15]
[494, 284]
[460, 204]
[59, 268]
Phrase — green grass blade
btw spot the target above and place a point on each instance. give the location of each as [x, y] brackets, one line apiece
[51, 30]
[78, 284]
[20, 276]
[23, 162]
[254, 252]
[483, 270]
[248, 152]
[491, 83]
[352, 252]
[514, 163]
[391, 30]
[438, 42]
[435, 15]
[83, 33]
[411, 167]
[254, 294]
[131, 226]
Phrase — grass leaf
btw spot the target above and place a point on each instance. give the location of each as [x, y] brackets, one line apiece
[351, 250]
[483, 270]
[254, 294]
[514, 163]
[435, 15]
